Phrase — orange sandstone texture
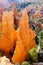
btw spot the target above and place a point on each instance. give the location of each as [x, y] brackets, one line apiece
[27, 36]
[9, 34]
[19, 53]
[26, 33]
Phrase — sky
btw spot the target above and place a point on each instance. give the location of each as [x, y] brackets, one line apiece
[6, 3]
[13, 0]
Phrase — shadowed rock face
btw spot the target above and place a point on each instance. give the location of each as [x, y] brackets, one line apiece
[16, 22]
